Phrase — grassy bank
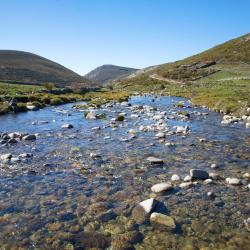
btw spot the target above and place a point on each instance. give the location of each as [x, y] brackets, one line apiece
[33, 95]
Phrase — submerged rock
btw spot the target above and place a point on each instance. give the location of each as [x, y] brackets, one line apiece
[67, 126]
[164, 220]
[29, 137]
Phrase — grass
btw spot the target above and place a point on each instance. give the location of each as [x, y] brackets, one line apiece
[30, 93]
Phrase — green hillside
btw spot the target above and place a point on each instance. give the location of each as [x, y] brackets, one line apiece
[218, 78]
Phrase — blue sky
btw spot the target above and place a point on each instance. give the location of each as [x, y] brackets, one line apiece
[84, 34]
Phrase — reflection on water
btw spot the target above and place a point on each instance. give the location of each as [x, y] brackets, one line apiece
[63, 198]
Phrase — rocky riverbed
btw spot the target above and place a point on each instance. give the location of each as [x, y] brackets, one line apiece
[151, 173]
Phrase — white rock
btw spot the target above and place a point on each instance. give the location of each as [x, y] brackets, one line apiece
[148, 205]
[208, 181]
[233, 181]
[91, 115]
[160, 135]
[132, 131]
[154, 160]
[175, 177]
[186, 185]
[188, 178]
[214, 166]
[248, 125]
[6, 157]
[246, 176]
[160, 187]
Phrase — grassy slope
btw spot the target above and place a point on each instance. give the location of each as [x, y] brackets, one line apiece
[223, 86]
[26, 67]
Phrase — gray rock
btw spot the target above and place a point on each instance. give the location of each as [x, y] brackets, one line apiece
[188, 178]
[208, 181]
[29, 137]
[199, 174]
[161, 187]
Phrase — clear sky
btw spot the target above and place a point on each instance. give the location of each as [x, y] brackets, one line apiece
[84, 34]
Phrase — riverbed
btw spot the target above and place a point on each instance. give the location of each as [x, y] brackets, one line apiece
[81, 185]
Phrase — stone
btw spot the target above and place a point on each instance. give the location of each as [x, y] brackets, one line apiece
[132, 131]
[208, 181]
[246, 176]
[175, 177]
[160, 135]
[247, 223]
[67, 126]
[161, 187]
[12, 141]
[29, 137]
[94, 155]
[32, 107]
[163, 219]
[6, 157]
[120, 117]
[215, 176]
[186, 185]
[154, 160]
[233, 181]
[248, 125]
[199, 174]
[91, 115]
[148, 205]
[25, 155]
[213, 166]
[187, 178]
[210, 194]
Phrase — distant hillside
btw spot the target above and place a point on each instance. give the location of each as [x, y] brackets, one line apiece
[19, 66]
[218, 77]
[106, 73]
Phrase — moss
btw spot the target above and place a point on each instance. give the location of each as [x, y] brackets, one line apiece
[21, 107]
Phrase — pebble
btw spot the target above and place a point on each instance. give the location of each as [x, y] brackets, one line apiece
[154, 160]
[67, 126]
[208, 181]
[175, 177]
[233, 181]
[163, 219]
[160, 135]
[199, 174]
[186, 185]
[29, 137]
[148, 205]
[246, 176]
[214, 166]
[187, 178]
[161, 187]
[6, 157]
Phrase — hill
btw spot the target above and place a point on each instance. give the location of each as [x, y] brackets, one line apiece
[24, 67]
[106, 73]
[218, 77]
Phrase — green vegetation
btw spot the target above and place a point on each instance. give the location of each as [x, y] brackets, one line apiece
[218, 78]
[36, 95]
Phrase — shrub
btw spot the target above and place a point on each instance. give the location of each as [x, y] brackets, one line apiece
[21, 107]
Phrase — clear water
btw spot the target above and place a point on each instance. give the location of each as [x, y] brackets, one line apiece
[64, 199]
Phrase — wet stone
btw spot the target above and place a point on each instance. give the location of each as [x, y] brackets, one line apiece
[161, 187]
[154, 160]
[199, 174]
[163, 219]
